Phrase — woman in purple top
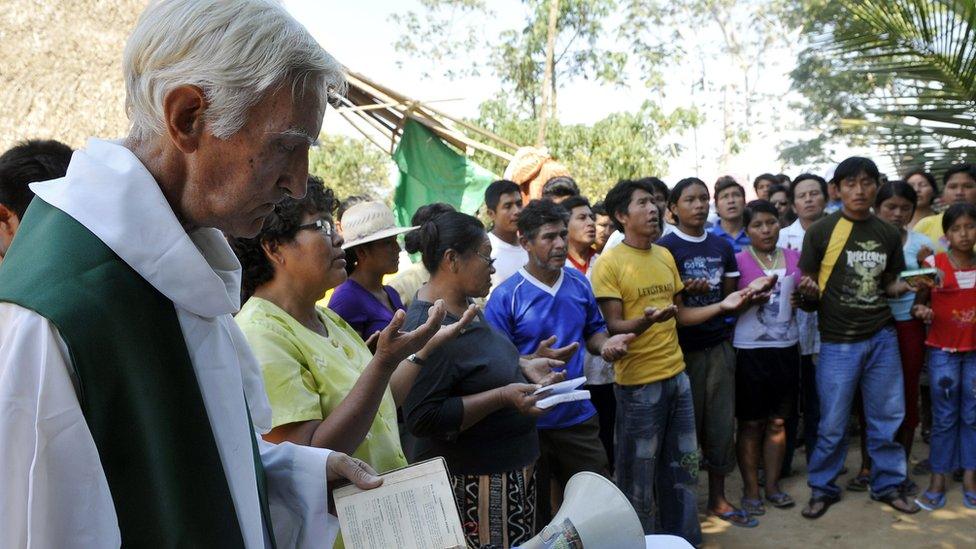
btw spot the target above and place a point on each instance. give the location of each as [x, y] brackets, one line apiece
[372, 251]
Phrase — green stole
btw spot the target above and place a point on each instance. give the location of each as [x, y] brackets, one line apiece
[135, 382]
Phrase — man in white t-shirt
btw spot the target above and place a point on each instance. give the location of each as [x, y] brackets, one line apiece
[504, 201]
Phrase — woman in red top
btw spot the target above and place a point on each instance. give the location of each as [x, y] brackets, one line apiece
[951, 310]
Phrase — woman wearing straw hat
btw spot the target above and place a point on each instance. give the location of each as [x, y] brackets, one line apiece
[372, 251]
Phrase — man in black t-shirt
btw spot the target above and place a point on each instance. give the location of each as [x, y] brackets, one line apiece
[854, 259]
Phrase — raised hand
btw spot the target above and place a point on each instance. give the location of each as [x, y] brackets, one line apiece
[737, 300]
[545, 350]
[615, 348]
[763, 283]
[537, 369]
[655, 315]
[806, 290]
[339, 465]
[393, 346]
[697, 286]
[371, 342]
[450, 331]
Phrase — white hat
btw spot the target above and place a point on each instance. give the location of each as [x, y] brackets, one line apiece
[368, 222]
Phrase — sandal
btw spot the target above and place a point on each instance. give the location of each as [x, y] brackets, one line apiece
[812, 512]
[781, 500]
[930, 501]
[909, 488]
[860, 483]
[754, 507]
[969, 499]
[897, 501]
[737, 517]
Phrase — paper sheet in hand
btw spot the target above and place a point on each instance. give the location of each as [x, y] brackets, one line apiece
[414, 508]
[553, 400]
[562, 386]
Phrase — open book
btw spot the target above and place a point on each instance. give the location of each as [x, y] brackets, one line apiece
[414, 508]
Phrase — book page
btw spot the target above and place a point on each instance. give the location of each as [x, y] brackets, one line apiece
[414, 508]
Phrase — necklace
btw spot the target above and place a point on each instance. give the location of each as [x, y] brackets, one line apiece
[772, 259]
[956, 264]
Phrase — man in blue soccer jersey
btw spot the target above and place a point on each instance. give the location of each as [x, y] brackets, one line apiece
[545, 299]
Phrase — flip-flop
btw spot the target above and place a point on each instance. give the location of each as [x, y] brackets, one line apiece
[744, 520]
[893, 496]
[781, 500]
[969, 499]
[826, 500]
[930, 501]
[754, 507]
[859, 483]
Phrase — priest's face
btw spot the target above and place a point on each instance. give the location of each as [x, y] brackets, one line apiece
[233, 184]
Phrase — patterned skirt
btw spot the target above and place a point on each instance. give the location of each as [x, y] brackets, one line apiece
[497, 510]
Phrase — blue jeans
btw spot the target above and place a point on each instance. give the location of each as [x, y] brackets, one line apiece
[657, 455]
[873, 365]
[952, 380]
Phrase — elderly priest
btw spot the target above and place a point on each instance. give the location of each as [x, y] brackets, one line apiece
[125, 385]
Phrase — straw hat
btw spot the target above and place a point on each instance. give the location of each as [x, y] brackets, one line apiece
[368, 222]
[531, 167]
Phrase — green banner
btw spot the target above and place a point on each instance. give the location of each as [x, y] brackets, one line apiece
[431, 171]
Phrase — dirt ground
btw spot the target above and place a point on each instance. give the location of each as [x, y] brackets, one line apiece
[855, 521]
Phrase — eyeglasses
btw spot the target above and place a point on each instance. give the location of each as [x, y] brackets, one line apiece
[322, 226]
[486, 259]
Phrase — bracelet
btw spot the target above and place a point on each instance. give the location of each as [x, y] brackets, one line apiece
[417, 360]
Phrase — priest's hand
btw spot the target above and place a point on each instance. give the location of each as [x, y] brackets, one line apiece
[340, 466]
[393, 345]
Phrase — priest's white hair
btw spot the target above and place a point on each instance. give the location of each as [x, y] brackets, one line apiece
[236, 51]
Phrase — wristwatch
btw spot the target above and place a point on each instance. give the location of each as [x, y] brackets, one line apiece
[417, 360]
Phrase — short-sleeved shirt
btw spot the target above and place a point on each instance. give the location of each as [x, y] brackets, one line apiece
[901, 307]
[853, 306]
[307, 375]
[479, 359]
[931, 227]
[360, 308]
[770, 324]
[713, 259]
[528, 311]
[738, 242]
[509, 258]
[641, 279]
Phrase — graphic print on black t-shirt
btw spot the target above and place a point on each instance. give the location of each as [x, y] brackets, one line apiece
[860, 284]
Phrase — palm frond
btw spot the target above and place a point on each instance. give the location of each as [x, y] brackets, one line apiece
[926, 51]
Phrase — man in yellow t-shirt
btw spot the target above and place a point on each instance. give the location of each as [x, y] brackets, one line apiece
[639, 291]
[958, 185]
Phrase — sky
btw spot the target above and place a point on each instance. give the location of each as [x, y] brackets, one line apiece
[361, 35]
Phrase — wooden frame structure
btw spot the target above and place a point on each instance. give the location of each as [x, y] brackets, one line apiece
[379, 113]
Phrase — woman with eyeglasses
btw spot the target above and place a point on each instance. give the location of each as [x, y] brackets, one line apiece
[471, 402]
[324, 386]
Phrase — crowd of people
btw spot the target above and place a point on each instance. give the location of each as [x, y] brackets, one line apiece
[711, 333]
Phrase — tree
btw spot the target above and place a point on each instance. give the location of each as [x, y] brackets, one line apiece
[351, 166]
[519, 60]
[713, 36]
[901, 76]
